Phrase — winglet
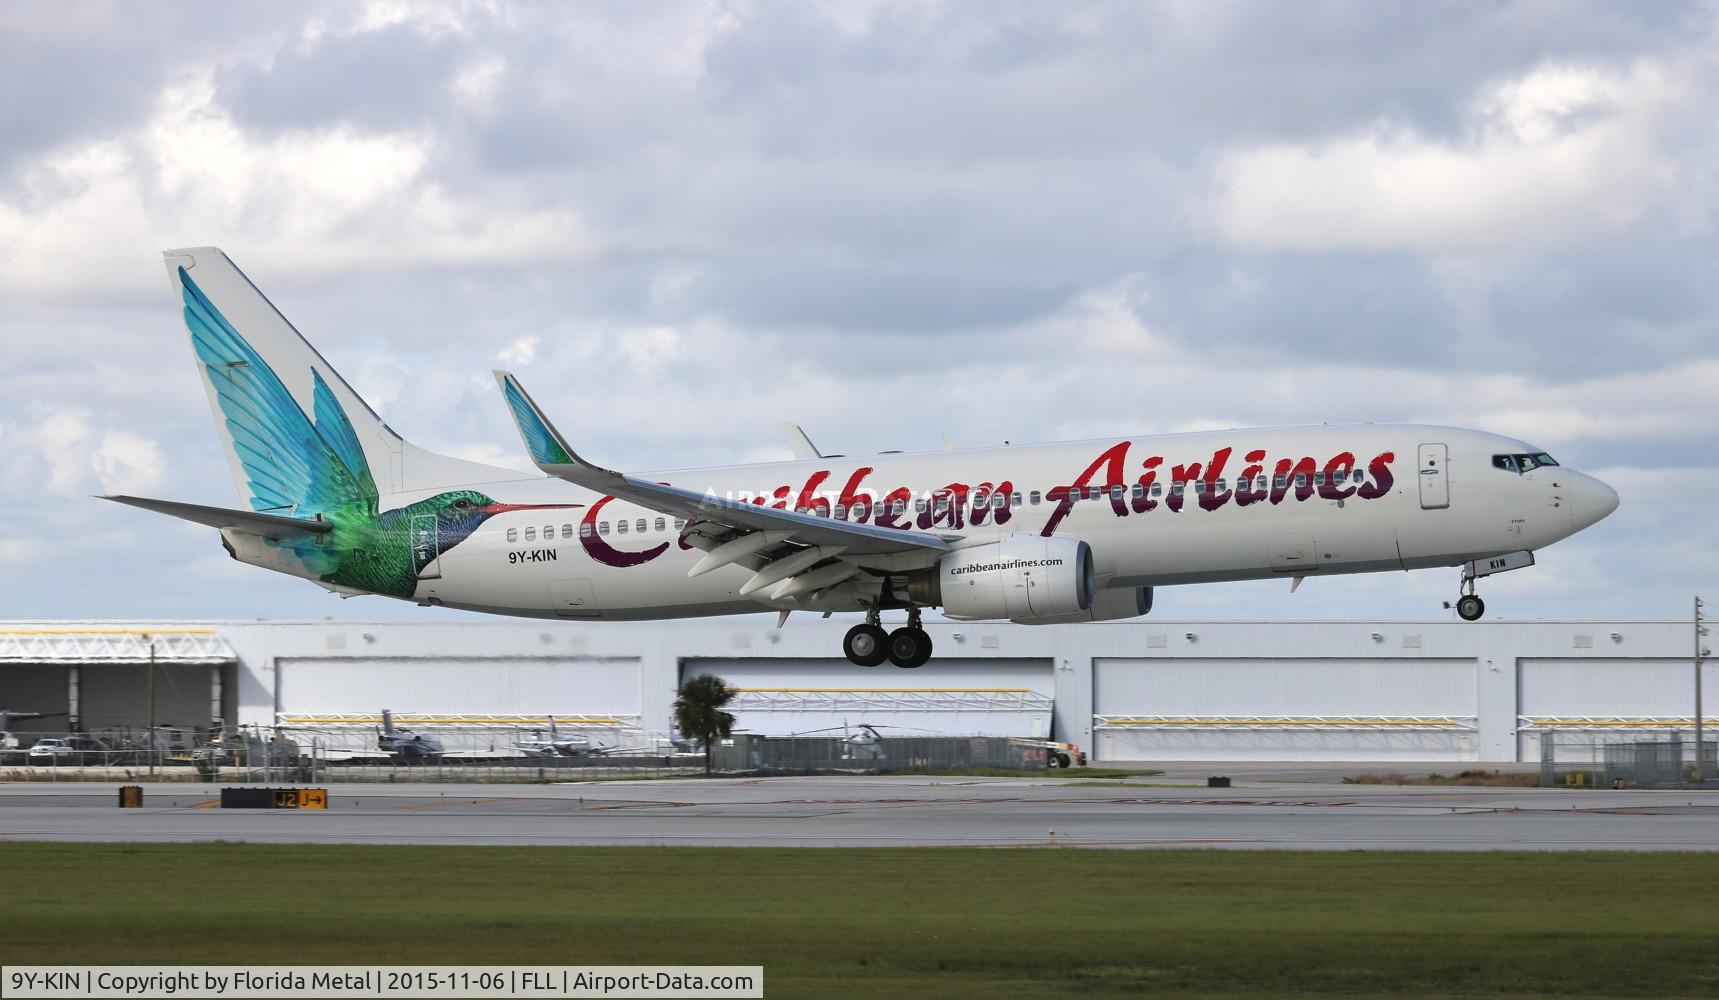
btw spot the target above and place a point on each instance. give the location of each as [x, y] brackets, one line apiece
[802, 446]
[548, 448]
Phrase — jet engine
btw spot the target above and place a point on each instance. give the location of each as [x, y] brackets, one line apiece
[1018, 576]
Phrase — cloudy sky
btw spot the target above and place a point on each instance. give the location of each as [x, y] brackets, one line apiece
[686, 223]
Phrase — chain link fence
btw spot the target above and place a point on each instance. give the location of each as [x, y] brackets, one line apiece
[1590, 763]
[265, 754]
[869, 754]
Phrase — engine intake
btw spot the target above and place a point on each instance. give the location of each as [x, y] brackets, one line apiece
[1020, 576]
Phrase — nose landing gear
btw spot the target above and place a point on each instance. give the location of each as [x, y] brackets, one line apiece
[1469, 606]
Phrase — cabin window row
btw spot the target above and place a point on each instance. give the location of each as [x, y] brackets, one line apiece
[586, 530]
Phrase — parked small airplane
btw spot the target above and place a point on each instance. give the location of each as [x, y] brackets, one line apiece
[1033, 534]
[406, 746]
[557, 745]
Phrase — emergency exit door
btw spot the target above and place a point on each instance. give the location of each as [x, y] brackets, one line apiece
[1435, 484]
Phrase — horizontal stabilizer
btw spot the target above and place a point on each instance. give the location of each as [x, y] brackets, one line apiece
[266, 525]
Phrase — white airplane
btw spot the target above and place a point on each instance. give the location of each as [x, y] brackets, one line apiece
[1034, 534]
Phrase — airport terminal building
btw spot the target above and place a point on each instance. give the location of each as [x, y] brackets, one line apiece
[1137, 691]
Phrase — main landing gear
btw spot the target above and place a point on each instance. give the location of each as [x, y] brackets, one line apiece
[868, 645]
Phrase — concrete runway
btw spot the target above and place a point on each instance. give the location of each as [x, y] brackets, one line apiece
[897, 812]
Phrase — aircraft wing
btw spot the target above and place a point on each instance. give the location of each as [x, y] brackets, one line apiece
[554, 456]
[266, 525]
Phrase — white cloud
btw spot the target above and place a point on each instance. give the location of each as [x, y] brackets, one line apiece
[521, 352]
[128, 463]
[477, 86]
[62, 439]
[1562, 153]
[1671, 403]
[648, 350]
[79, 460]
[310, 200]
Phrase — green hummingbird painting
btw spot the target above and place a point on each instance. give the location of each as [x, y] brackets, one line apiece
[315, 468]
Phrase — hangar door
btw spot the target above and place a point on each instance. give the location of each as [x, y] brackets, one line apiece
[1285, 709]
[1592, 701]
[479, 686]
[946, 697]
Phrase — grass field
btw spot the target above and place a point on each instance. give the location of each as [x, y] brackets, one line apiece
[920, 922]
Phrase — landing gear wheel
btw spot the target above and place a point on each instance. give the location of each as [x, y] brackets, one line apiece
[1062, 760]
[866, 645]
[1470, 607]
[909, 647]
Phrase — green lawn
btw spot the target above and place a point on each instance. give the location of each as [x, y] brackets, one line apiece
[914, 922]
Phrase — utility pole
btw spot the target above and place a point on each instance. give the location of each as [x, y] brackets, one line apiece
[150, 739]
[1700, 751]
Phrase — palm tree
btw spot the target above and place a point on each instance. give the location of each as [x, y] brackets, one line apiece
[698, 711]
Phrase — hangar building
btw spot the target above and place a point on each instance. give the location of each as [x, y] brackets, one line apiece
[1140, 690]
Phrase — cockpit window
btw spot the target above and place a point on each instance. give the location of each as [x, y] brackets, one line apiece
[1522, 463]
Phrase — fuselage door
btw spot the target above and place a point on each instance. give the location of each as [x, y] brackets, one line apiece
[1435, 484]
[426, 547]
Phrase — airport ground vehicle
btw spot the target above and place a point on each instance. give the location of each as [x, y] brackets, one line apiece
[1064, 755]
[74, 749]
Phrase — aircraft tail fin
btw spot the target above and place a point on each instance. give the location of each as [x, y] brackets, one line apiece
[298, 438]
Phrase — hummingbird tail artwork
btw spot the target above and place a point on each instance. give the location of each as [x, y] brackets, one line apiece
[303, 446]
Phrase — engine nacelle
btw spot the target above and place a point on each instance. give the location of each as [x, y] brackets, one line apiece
[1107, 606]
[1020, 576]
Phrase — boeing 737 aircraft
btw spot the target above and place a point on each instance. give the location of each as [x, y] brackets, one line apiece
[1036, 534]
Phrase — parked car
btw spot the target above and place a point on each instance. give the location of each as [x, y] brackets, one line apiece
[74, 749]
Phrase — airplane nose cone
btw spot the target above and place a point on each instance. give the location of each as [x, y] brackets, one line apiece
[1591, 501]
